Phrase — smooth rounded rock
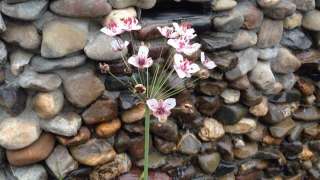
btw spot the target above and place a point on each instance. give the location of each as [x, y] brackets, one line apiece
[19, 59]
[293, 21]
[100, 111]
[270, 33]
[211, 130]
[108, 129]
[209, 162]
[133, 114]
[244, 39]
[244, 126]
[189, 144]
[47, 105]
[310, 20]
[31, 172]
[221, 5]
[81, 137]
[285, 62]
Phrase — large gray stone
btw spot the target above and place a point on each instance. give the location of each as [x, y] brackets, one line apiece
[18, 59]
[32, 172]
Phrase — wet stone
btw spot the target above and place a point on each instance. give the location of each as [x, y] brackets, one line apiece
[230, 114]
[286, 97]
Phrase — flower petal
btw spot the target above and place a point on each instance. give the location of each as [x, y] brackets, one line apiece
[170, 103]
[148, 63]
[143, 51]
[152, 104]
[181, 74]
[193, 68]
[178, 59]
[133, 61]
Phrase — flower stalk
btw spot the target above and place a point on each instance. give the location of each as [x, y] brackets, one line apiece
[146, 143]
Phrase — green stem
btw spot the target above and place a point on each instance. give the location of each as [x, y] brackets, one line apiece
[146, 144]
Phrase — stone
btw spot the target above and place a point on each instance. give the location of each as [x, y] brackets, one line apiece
[81, 86]
[44, 19]
[253, 16]
[30, 10]
[13, 100]
[156, 160]
[268, 53]
[94, 152]
[212, 88]
[23, 34]
[81, 137]
[108, 129]
[3, 52]
[163, 146]
[100, 111]
[208, 105]
[60, 162]
[268, 3]
[247, 61]
[305, 86]
[304, 5]
[116, 15]
[287, 80]
[285, 62]
[19, 132]
[258, 133]
[244, 39]
[211, 130]
[18, 60]
[144, 4]
[36, 152]
[229, 22]
[281, 129]
[3, 26]
[245, 125]
[270, 33]
[281, 10]
[242, 83]
[47, 105]
[65, 124]
[209, 162]
[40, 64]
[277, 113]
[120, 165]
[133, 114]
[230, 96]
[167, 130]
[81, 8]
[293, 21]
[63, 37]
[261, 76]
[31, 172]
[307, 114]
[296, 39]
[310, 20]
[216, 40]
[189, 144]
[221, 5]
[230, 114]
[260, 109]
[99, 48]
[41, 82]
[249, 150]
[251, 96]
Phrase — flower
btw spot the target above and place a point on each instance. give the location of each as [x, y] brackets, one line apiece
[118, 44]
[207, 62]
[140, 89]
[184, 67]
[130, 24]
[183, 46]
[161, 109]
[104, 68]
[112, 29]
[184, 30]
[168, 32]
[141, 60]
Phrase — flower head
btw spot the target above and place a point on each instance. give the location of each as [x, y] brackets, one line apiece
[168, 32]
[184, 46]
[141, 60]
[161, 109]
[130, 24]
[112, 29]
[104, 68]
[207, 62]
[140, 89]
[184, 67]
[118, 44]
[185, 30]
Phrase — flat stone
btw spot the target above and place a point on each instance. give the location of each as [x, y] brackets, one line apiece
[3, 52]
[60, 162]
[189, 144]
[81, 8]
[244, 39]
[253, 16]
[63, 37]
[251, 96]
[100, 111]
[249, 150]
[221, 5]
[23, 34]
[144, 4]
[29, 10]
[247, 61]
[268, 53]
[296, 39]
[270, 33]
[306, 86]
[65, 124]
[167, 130]
[133, 114]
[208, 105]
[108, 129]
[211, 130]
[307, 114]
[260, 109]
[267, 3]
[13, 100]
[31, 172]
[36, 152]
[285, 62]
[99, 48]
[120, 165]
[163, 146]
[242, 83]
[277, 113]
[156, 160]
[229, 22]
[281, 129]
[230, 96]
[281, 10]
[41, 82]
[212, 88]
[245, 125]
[209, 162]
[19, 59]
[304, 5]
[40, 64]
[293, 21]
[48, 105]
[287, 80]
[230, 114]
[216, 40]
[310, 20]
[262, 76]
[94, 152]
[3, 26]
[81, 137]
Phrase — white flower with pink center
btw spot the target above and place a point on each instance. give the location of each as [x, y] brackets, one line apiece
[118, 44]
[130, 24]
[184, 46]
[161, 109]
[184, 30]
[184, 67]
[112, 29]
[168, 32]
[207, 62]
[141, 60]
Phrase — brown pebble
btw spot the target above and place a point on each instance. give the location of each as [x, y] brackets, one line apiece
[81, 137]
[108, 129]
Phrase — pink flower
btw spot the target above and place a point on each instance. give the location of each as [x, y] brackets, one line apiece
[184, 67]
[207, 62]
[118, 44]
[130, 24]
[141, 60]
[112, 29]
[184, 30]
[183, 46]
[161, 109]
[168, 32]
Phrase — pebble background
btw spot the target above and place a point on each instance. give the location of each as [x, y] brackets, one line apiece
[255, 117]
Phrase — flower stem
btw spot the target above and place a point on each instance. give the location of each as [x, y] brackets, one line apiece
[146, 144]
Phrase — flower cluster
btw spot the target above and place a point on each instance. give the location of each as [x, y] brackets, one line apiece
[127, 24]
